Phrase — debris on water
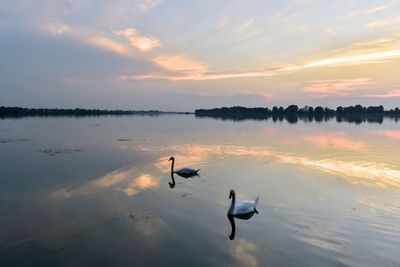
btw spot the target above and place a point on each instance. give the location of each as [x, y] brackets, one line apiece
[10, 140]
[131, 216]
[185, 194]
[53, 152]
[124, 140]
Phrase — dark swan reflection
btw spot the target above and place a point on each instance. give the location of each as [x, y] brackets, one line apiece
[242, 210]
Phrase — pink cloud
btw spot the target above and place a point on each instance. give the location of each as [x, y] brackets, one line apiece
[390, 94]
[339, 87]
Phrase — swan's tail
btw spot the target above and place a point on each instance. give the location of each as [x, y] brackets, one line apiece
[256, 202]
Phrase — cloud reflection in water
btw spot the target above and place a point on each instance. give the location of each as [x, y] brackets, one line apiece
[357, 172]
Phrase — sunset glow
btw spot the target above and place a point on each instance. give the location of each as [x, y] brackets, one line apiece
[331, 52]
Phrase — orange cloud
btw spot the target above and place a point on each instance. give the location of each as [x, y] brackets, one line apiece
[108, 44]
[336, 141]
[181, 64]
[375, 51]
[143, 43]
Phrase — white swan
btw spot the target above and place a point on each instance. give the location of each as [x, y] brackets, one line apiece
[184, 172]
[241, 207]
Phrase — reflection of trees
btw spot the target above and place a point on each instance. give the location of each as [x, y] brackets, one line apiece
[353, 114]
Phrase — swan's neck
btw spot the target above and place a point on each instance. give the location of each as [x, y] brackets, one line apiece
[172, 166]
[172, 185]
[232, 203]
[233, 230]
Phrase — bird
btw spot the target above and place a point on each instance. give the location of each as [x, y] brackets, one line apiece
[242, 207]
[184, 172]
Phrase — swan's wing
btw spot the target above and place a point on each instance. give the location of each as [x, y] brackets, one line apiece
[244, 207]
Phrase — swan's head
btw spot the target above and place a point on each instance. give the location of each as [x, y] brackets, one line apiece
[171, 158]
[231, 193]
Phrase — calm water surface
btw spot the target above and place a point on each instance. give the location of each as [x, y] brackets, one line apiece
[95, 191]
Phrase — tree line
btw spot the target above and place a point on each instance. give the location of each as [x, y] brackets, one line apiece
[292, 113]
[21, 112]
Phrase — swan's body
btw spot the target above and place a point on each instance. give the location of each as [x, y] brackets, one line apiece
[184, 172]
[242, 207]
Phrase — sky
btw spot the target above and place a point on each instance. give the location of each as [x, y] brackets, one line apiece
[178, 55]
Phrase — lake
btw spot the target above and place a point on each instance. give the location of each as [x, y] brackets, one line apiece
[98, 191]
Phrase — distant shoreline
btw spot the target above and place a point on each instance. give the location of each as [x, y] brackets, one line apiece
[291, 113]
[16, 112]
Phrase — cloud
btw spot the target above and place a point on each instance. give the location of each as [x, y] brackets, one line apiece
[223, 23]
[108, 44]
[56, 28]
[145, 5]
[359, 53]
[329, 31]
[336, 87]
[242, 27]
[369, 10]
[390, 94]
[384, 25]
[143, 43]
[181, 64]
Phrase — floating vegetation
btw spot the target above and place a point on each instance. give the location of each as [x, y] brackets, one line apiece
[54, 152]
[11, 140]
